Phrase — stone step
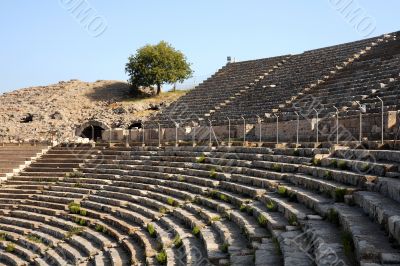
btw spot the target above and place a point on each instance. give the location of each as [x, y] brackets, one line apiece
[292, 245]
[382, 210]
[370, 242]
[193, 250]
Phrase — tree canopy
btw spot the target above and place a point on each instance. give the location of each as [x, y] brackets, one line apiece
[156, 65]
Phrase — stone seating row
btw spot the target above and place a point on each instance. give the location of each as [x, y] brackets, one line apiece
[228, 193]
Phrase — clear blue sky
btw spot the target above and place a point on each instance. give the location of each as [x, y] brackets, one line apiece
[43, 42]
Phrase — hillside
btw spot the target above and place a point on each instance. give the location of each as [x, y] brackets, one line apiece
[31, 113]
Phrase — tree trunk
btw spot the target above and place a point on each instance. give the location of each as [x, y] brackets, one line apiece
[158, 89]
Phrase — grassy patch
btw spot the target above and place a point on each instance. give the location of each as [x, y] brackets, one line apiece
[76, 174]
[348, 244]
[316, 162]
[292, 197]
[3, 236]
[151, 230]
[161, 257]
[163, 210]
[282, 191]
[242, 208]
[100, 228]
[74, 231]
[339, 194]
[225, 247]
[276, 167]
[34, 239]
[249, 210]
[171, 201]
[10, 248]
[271, 206]
[293, 220]
[177, 242]
[364, 167]
[213, 173]
[216, 218]
[80, 221]
[262, 220]
[196, 231]
[74, 207]
[201, 159]
[181, 178]
[328, 175]
[276, 245]
[333, 217]
[83, 212]
[342, 165]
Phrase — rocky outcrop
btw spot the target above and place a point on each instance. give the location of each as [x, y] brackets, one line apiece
[38, 112]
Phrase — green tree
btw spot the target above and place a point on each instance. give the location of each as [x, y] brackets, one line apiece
[156, 65]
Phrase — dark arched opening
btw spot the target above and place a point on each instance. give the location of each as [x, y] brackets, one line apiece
[135, 125]
[92, 133]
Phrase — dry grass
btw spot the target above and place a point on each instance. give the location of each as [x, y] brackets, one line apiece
[164, 96]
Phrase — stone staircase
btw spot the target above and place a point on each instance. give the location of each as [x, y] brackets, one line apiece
[246, 89]
[338, 68]
[14, 158]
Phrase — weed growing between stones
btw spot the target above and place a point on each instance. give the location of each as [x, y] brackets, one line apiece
[201, 159]
[162, 210]
[262, 220]
[151, 230]
[333, 217]
[225, 247]
[316, 162]
[213, 173]
[34, 239]
[196, 231]
[10, 248]
[348, 244]
[74, 207]
[161, 257]
[282, 191]
[271, 206]
[342, 165]
[276, 167]
[171, 201]
[339, 194]
[216, 218]
[100, 228]
[328, 175]
[80, 221]
[76, 174]
[293, 220]
[74, 231]
[177, 242]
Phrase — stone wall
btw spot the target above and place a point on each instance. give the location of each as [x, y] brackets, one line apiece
[348, 130]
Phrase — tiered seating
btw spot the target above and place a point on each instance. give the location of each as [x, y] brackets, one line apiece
[227, 84]
[15, 157]
[340, 75]
[34, 224]
[361, 81]
[198, 206]
[302, 71]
